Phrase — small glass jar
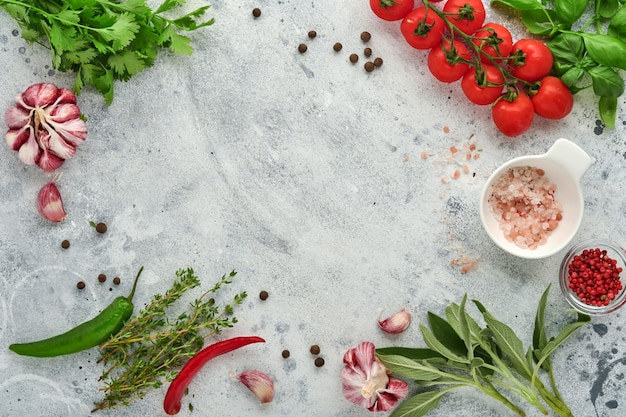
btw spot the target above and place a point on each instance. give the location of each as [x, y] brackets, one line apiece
[613, 251]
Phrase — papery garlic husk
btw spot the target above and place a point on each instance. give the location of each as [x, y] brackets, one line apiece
[259, 383]
[50, 204]
[45, 126]
[397, 323]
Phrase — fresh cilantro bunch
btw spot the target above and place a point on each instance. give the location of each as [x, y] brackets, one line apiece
[104, 40]
[588, 41]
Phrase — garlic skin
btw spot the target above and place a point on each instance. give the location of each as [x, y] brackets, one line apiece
[366, 380]
[259, 383]
[50, 204]
[397, 323]
[45, 126]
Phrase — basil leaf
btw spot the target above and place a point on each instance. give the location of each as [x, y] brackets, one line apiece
[569, 11]
[572, 76]
[606, 82]
[539, 22]
[608, 8]
[567, 47]
[420, 404]
[519, 4]
[605, 50]
[608, 110]
[617, 25]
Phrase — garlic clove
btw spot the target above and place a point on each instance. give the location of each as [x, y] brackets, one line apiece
[50, 204]
[259, 383]
[397, 323]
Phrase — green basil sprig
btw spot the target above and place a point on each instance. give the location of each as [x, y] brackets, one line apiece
[593, 54]
[461, 353]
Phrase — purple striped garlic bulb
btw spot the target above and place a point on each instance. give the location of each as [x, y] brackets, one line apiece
[45, 126]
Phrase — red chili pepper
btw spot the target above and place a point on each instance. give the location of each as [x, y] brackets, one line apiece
[177, 388]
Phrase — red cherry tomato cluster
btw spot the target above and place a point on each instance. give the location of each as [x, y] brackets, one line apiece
[512, 77]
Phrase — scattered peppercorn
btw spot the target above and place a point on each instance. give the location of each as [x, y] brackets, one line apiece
[367, 52]
[365, 36]
[80, 285]
[102, 278]
[378, 62]
[319, 362]
[315, 350]
[65, 244]
[285, 353]
[256, 12]
[337, 46]
[302, 48]
[354, 58]
[117, 280]
[369, 66]
[312, 34]
[101, 228]
[263, 295]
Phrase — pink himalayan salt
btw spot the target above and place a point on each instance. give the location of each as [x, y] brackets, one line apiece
[523, 201]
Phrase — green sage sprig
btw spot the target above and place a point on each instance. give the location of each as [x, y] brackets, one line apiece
[588, 52]
[152, 345]
[492, 359]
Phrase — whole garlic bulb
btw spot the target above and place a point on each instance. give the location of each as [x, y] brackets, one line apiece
[45, 126]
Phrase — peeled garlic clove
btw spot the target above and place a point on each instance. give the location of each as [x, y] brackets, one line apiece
[50, 204]
[397, 323]
[259, 383]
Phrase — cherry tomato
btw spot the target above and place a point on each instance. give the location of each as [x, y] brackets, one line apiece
[513, 117]
[553, 99]
[535, 60]
[467, 15]
[445, 61]
[391, 9]
[422, 28]
[494, 40]
[484, 87]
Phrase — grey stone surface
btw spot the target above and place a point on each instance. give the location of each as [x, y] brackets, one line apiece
[305, 174]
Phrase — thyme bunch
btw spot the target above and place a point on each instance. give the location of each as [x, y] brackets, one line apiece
[151, 346]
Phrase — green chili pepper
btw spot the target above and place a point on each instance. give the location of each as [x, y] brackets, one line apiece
[84, 336]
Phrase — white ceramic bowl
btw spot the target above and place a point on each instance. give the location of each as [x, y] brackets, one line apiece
[564, 165]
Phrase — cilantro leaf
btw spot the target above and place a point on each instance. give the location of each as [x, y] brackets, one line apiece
[126, 63]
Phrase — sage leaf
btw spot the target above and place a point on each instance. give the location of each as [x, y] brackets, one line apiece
[510, 344]
[412, 369]
[420, 404]
[606, 50]
[608, 110]
[540, 339]
[444, 332]
[563, 335]
[411, 353]
[436, 345]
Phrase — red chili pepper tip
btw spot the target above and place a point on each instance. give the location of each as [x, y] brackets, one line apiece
[177, 388]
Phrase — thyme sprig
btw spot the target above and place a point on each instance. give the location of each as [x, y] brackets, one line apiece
[151, 346]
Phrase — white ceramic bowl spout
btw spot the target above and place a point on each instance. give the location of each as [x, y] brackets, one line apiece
[564, 165]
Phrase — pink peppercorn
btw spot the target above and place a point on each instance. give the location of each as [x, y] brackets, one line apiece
[594, 277]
